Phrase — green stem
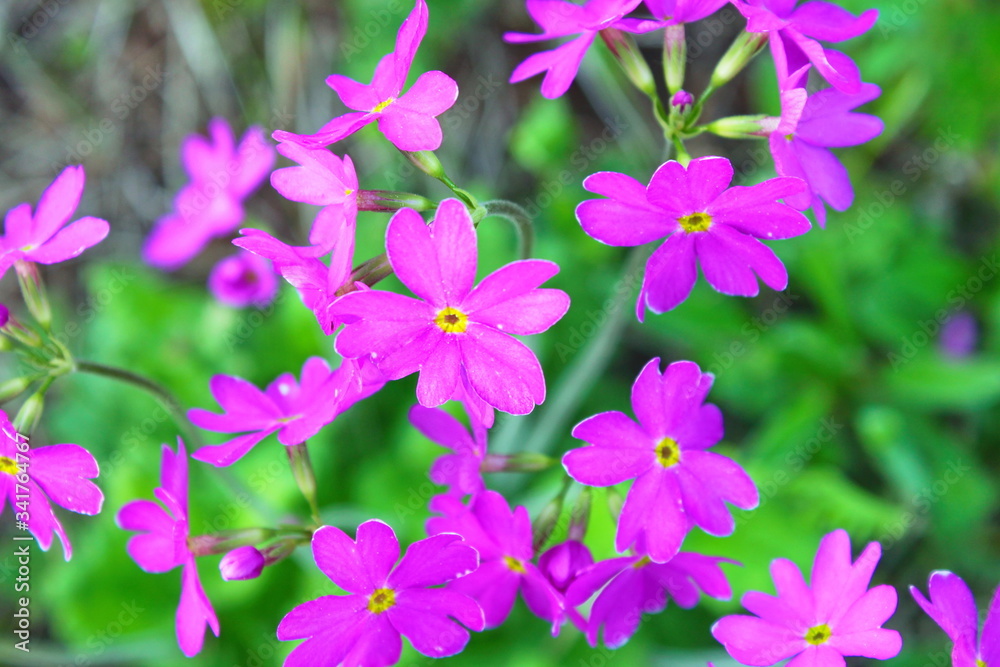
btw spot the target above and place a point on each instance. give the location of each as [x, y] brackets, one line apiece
[519, 217]
[699, 105]
[161, 393]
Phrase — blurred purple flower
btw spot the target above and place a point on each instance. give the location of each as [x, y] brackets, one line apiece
[452, 328]
[57, 474]
[959, 335]
[163, 544]
[503, 540]
[384, 600]
[630, 586]
[704, 221]
[242, 280]
[559, 18]
[211, 205]
[818, 625]
[45, 237]
[408, 120]
[562, 564]
[677, 481]
[954, 609]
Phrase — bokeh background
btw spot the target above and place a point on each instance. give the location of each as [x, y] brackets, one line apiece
[864, 397]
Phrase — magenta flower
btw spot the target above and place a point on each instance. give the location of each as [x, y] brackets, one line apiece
[384, 600]
[325, 180]
[44, 236]
[163, 544]
[559, 18]
[794, 31]
[503, 540]
[452, 328]
[808, 128]
[959, 335]
[562, 564]
[461, 470]
[678, 482]
[242, 280]
[211, 205]
[954, 609]
[408, 120]
[818, 625]
[703, 219]
[634, 585]
[295, 411]
[683, 11]
[34, 478]
[242, 563]
[316, 282]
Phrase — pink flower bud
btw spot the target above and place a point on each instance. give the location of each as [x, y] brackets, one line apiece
[242, 563]
[682, 101]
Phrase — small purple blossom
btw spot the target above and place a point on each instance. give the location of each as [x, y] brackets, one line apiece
[954, 609]
[959, 335]
[819, 624]
[246, 562]
[503, 540]
[801, 142]
[704, 221]
[295, 411]
[460, 471]
[453, 328]
[57, 474]
[562, 564]
[242, 280]
[408, 120]
[322, 179]
[678, 482]
[211, 205]
[682, 101]
[384, 600]
[317, 283]
[45, 237]
[559, 18]
[630, 586]
[163, 544]
[794, 32]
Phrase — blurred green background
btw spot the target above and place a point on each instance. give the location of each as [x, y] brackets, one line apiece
[837, 394]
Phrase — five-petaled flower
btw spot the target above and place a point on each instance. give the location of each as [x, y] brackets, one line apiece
[408, 120]
[835, 616]
[703, 219]
[452, 328]
[954, 609]
[384, 600]
[677, 481]
[164, 543]
[44, 236]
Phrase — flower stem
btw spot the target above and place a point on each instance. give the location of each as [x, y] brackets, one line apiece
[161, 393]
[305, 477]
[515, 214]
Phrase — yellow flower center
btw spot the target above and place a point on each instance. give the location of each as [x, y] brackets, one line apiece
[348, 192]
[642, 562]
[980, 662]
[513, 564]
[696, 222]
[819, 634]
[381, 599]
[450, 320]
[382, 105]
[668, 453]
[8, 465]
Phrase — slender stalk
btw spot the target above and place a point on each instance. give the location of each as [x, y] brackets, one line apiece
[519, 217]
[161, 393]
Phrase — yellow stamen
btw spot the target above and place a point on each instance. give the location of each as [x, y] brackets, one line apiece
[819, 634]
[450, 320]
[8, 465]
[348, 192]
[513, 564]
[642, 562]
[381, 599]
[382, 105]
[696, 222]
[668, 453]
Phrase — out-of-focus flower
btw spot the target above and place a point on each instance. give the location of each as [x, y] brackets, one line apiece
[242, 280]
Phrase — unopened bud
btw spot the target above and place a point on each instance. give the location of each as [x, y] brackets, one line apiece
[389, 200]
[743, 127]
[740, 53]
[427, 162]
[674, 57]
[682, 101]
[521, 462]
[33, 292]
[30, 412]
[242, 563]
[14, 387]
[543, 526]
[627, 53]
